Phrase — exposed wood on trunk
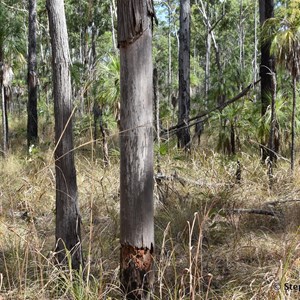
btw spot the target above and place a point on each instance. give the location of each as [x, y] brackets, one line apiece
[137, 266]
[32, 122]
[68, 219]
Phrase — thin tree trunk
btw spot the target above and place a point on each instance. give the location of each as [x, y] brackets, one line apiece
[255, 43]
[136, 143]
[271, 151]
[32, 122]
[207, 64]
[169, 54]
[241, 37]
[104, 143]
[293, 125]
[156, 104]
[4, 121]
[3, 105]
[113, 28]
[206, 15]
[184, 74]
[232, 138]
[68, 219]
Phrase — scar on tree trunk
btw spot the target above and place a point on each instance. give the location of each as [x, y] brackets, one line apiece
[137, 262]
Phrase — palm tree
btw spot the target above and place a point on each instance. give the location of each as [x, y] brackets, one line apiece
[284, 33]
[106, 93]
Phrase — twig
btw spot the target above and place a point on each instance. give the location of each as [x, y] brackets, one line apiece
[14, 8]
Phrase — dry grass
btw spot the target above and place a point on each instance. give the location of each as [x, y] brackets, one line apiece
[203, 250]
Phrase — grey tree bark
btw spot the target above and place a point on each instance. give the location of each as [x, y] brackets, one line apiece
[136, 142]
[32, 120]
[68, 219]
[184, 74]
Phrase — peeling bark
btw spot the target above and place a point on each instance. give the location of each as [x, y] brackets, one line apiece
[133, 19]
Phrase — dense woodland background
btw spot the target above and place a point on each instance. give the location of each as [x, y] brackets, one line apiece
[226, 201]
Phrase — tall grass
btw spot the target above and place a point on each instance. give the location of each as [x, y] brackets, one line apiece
[203, 249]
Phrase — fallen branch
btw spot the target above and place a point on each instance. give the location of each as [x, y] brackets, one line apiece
[183, 181]
[252, 211]
[273, 203]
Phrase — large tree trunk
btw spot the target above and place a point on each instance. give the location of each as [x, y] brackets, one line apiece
[184, 74]
[67, 212]
[267, 67]
[32, 122]
[136, 142]
[293, 125]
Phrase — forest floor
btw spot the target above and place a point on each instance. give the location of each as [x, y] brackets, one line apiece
[206, 248]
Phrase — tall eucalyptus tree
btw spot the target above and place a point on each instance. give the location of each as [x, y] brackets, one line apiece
[68, 219]
[32, 121]
[267, 64]
[136, 142]
[184, 74]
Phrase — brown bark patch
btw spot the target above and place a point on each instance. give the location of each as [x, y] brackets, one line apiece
[137, 271]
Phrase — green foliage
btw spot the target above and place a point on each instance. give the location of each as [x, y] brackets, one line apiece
[12, 33]
[283, 32]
